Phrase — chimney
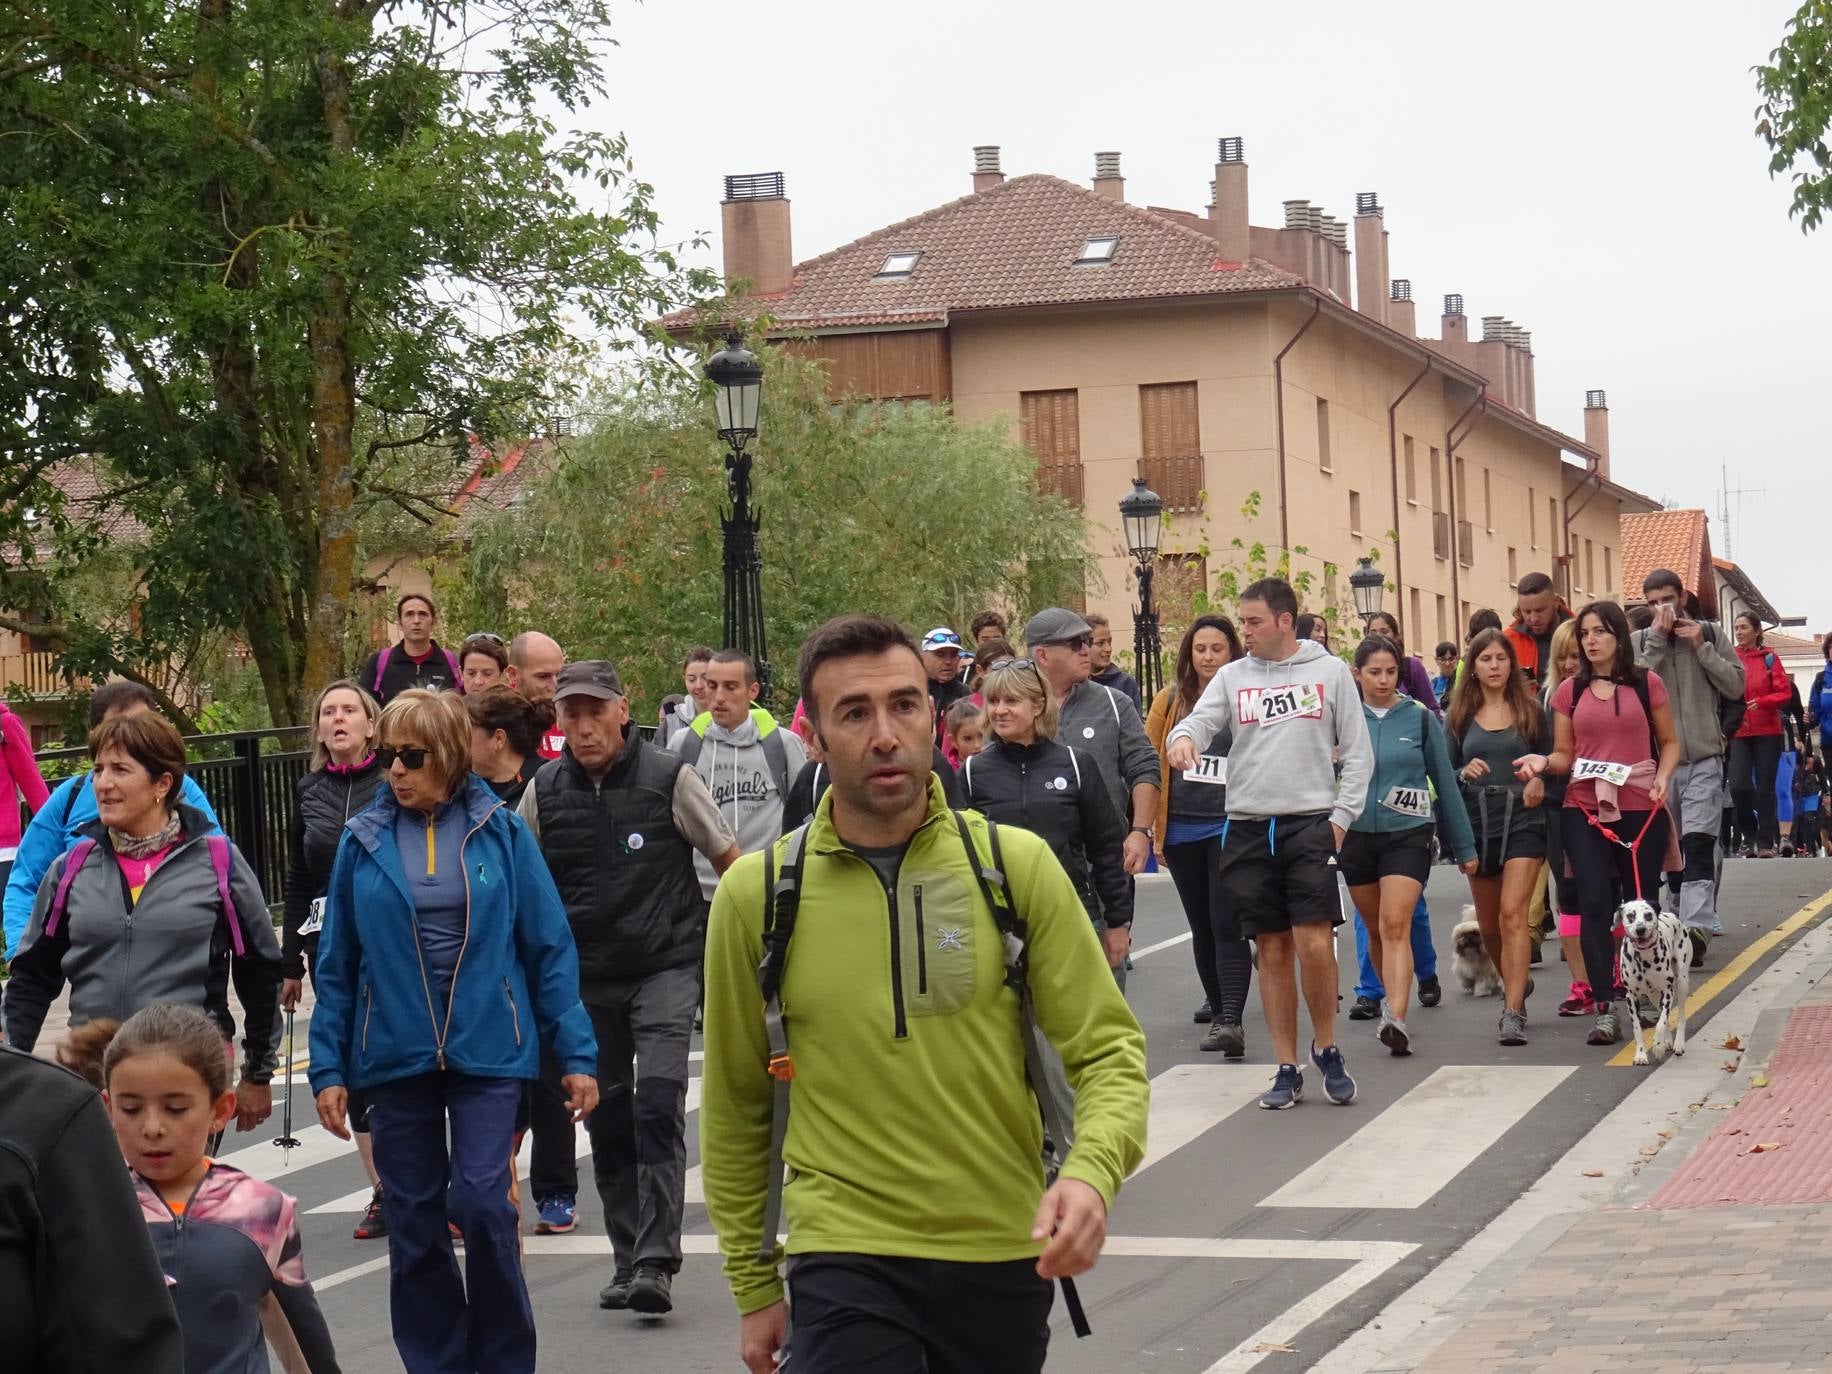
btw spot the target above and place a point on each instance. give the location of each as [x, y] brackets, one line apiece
[986, 170]
[754, 221]
[1107, 179]
[1370, 257]
[1455, 325]
[1596, 427]
[1400, 312]
[1228, 202]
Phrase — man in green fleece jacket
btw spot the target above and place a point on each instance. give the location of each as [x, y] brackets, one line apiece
[920, 1230]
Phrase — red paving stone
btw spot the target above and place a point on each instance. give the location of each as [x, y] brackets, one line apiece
[1793, 1111]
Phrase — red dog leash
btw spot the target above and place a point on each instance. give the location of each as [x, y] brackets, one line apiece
[1634, 850]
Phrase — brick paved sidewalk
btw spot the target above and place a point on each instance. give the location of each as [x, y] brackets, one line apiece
[1720, 1270]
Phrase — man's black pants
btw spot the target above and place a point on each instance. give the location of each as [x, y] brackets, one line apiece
[873, 1314]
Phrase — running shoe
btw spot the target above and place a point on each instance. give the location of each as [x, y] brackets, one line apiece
[1365, 1009]
[1286, 1091]
[1607, 1031]
[374, 1224]
[1580, 1003]
[1513, 1026]
[1338, 1087]
[1392, 1033]
[1211, 1043]
[1431, 991]
[615, 1295]
[558, 1214]
[1204, 1013]
[1698, 941]
[1717, 924]
[1232, 1039]
[651, 1292]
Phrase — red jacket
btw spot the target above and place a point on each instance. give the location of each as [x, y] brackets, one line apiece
[1526, 648]
[1767, 688]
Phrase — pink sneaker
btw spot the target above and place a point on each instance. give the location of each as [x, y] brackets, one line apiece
[1581, 1002]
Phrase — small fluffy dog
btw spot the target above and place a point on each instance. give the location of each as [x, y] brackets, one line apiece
[1656, 969]
[1474, 969]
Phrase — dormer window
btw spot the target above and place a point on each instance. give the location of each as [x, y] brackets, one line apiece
[898, 266]
[1098, 251]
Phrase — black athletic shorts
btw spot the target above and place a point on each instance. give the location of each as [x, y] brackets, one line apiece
[1280, 873]
[1368, 856]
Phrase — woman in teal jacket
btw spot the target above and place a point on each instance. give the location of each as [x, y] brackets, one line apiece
[445, 963]
[1386, 856]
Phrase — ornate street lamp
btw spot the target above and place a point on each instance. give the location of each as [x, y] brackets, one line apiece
[1368, 584]
[1142, 520]
[737, 379]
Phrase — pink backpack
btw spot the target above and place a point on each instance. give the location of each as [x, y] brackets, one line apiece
[218, 845]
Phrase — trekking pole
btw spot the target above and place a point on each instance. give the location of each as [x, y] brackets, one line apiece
[285, 1139]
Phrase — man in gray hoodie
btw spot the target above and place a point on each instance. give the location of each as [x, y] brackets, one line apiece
[1295, 712]
[1700, 674]
[747, 761]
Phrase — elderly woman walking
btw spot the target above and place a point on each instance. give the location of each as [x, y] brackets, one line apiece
[445, 963]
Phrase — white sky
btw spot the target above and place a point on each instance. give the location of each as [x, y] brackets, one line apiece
[1587, 170]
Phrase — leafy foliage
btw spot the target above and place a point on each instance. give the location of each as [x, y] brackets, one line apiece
[257, 253]
[1795, 115]
[891, 509]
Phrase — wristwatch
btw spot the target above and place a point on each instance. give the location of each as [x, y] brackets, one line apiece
[1149, 832]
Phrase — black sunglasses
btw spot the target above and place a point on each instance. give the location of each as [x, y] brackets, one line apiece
[1079, 642]
[484, 634]
[413, 757]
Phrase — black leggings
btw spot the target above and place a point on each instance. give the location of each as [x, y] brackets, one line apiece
[1760, 756]
[1223, 961]
[1602, 870]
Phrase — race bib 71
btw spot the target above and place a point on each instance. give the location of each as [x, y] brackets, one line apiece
[1601, 770]
[1210, 768]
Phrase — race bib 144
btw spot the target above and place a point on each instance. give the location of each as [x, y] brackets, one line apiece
[1408, 801]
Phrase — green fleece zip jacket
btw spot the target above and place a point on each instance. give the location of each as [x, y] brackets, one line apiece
[912, 1130]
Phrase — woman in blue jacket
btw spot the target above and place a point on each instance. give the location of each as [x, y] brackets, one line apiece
[445, 962]
[1386, 856]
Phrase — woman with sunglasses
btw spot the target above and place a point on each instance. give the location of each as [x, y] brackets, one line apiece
[445, 964]
[483, 661]
[341, 780]
[1192, 816]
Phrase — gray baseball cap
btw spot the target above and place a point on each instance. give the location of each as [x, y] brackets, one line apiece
[1054, 626]
[589, 677]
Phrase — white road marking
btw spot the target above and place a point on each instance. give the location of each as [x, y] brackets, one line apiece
[267, 1160]
[1182, 939]
[1402, 1157]
[1283, 1328]
[582, 1149]
[1382, 1252]
[1189, 1100]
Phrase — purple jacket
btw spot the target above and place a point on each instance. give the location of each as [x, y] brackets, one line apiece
[1415, 682]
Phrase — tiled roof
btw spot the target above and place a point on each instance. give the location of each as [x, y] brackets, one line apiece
[1013, 245]
[1793, 644]
[1751, 594]
[1676, 539]
[82, 488]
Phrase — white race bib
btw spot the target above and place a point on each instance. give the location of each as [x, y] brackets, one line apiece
[1210, 768]
[1601, 770]
[314, 920]
[1408, 801]
[1280, 704]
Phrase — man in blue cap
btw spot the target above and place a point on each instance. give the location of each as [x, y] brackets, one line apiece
[941, 659]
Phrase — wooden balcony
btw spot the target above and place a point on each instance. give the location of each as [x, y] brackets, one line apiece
[34, 674]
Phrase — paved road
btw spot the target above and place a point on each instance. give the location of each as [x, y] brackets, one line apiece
[1245, 1228]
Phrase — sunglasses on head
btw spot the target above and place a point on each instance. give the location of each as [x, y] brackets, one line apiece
[486, 635]
[412, 756]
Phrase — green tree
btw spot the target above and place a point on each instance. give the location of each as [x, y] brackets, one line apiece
[1795, 115]
[255, 253]
[891, 509]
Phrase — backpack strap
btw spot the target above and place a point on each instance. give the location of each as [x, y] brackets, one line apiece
[692, 741]
[1113, 702]
[451, 661]
[381, 666]
[63, 822]
[1074, 762]
[1647, 710]
[781, 899]
[60, 900]
[776, 754]
[218, 844]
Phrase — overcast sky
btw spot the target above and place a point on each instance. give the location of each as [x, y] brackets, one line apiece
[1588, 170]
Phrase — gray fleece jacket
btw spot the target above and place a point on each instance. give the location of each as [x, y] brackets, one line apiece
[1283, 762]
[1696, 679]
[735, 770]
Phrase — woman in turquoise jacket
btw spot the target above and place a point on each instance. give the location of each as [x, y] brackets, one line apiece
[1386, 856]
[445, 963]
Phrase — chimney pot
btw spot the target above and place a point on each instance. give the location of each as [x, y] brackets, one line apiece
[1368, 203]
[754, 220]
[1231, 149]
[986, 170]
[1107, 179]
[1402, 289]
[1106, 164]
[1453, 303]
[1596, 400]
[1297, 214]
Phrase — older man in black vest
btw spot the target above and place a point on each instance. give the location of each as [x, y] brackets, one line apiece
[619, 821]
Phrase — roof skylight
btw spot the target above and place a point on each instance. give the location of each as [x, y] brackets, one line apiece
[1098, 251]
[897, 267]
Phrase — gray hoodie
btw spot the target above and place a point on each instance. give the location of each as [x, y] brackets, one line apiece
[1697, 682]
[1288, 767]
[735, 770]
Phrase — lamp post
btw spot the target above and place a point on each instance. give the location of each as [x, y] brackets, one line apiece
[1142, 519]
[737, 379]
[1368, 584]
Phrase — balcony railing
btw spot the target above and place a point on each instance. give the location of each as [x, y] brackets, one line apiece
[35, 674]
[1177, 480]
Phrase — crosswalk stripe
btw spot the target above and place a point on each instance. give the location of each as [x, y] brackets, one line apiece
[1189, 1100]
[1402, 1157]
[582, 1148]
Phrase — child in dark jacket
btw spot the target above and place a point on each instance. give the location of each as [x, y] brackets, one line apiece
[227, 1241]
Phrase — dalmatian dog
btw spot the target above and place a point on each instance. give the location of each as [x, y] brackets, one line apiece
[1656, 969]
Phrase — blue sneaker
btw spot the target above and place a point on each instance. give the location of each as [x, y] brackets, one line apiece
[1338, 1087]
[1287, 1087]
[559, 1213]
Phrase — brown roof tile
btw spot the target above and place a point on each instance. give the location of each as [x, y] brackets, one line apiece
[1013, 245]
[1676, 539]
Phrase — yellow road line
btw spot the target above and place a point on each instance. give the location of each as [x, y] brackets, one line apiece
[1724, 977]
